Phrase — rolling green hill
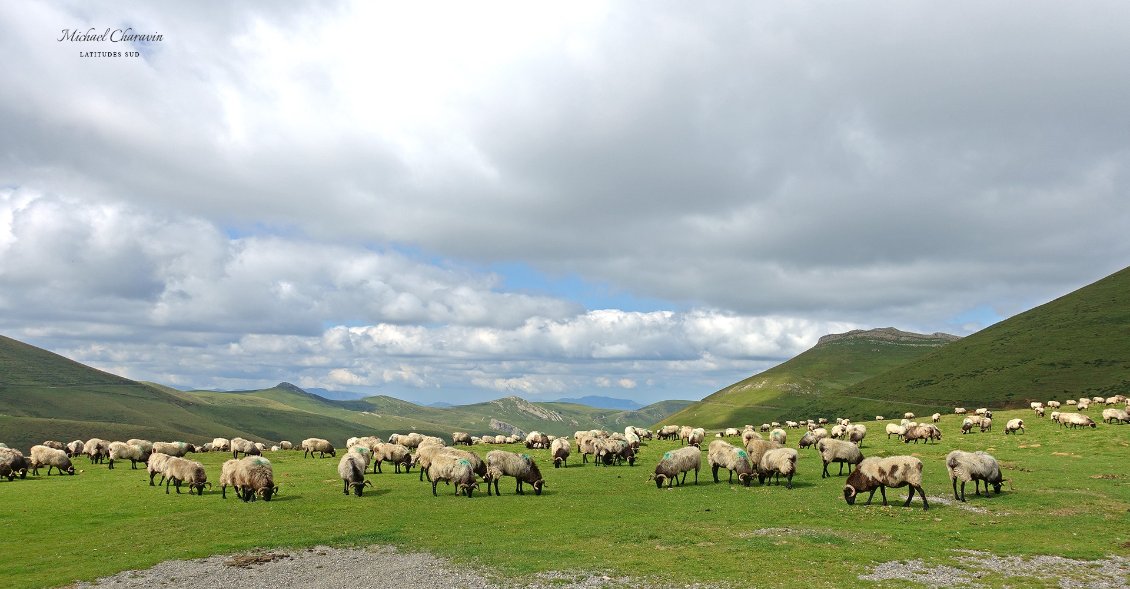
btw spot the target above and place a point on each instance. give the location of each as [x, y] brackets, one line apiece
[1076, 345]
[46, 396]
[800, 387]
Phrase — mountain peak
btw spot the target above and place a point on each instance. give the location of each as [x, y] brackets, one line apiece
[286, 386]
[890, 334]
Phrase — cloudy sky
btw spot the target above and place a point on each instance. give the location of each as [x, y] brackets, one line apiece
[461, 201]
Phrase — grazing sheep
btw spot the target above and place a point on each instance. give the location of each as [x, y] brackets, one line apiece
[879, 418]
[750, 434]
[1056, 404]
[221, 445]
[1013, 426]
[757, 448]
[838, 431]
[51, 458]
[536, 439]
[460, 438]
[986, 424]
[936, 417]
[1035, 405]
[75, 448]
[351, 469]
[696, 437]
[1114, 414]
[981, 411]
[559, 451]
[319, 445]
[970, 422]
[520, 466]
[97, 449]
[677, 462]
[896, 430]
[778, 435]
[855, 433]
[394, 453]
[156, 466]
[908, 415]
[424, 456]
[227, 478]
[454, 470]
[838, 451]
[808, 439]
[1040, 412]
[286, 445]
[127, 451]
[922, 431]
[732, 432]
[178, 449]
[1076, 420]
[722, 454]
[246, 447]
[668, 432]
[959, 410]
[765, 427]
[880, 473]
[976, 467]
[255, 477]
[778, 461]
[183, 471]
[12, 464]
[1071, 402]
[54, 444]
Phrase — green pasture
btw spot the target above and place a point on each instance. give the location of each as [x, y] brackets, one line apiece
[1069, 496]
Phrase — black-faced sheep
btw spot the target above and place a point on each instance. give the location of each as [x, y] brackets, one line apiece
[722, 454]
[245, 447]
[777, 462]
[922, 431]
[255, 477]
[51, 458]
[537, 440]
[180, 471]
[667, 432]
[96, 449]
[880, 473]
[395, 454]
[319, 445]
[177, 449]
[453, 470]
[559, 450]
[12, 464]
[351, 468]
[460, 438]
[520, 466]
[1013, 426]
[976, 467]
[221, 445]
[855, 433]
[75, 448]
[1114, 414]
[838, 451]
[676, 462]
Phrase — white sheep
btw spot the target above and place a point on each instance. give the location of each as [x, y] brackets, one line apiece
[254, 476]
[351, 469]
[453, 470]
[777, 462]
[520, 466]
[559, 451]
[921, 431]
[908, 415]
[127, 451]
[394, 453]
[676, 462]
[855, 433]
[880, 473]
[51, 458]
[227, 478]
[1056, 404]
[750, 434]
[97, 449]
[976, 467]
[936, 417]
[896, 430]
[1113, 414]
[1013, 426]
[778, 435]
[286, 445]
[75, 448]
[178, 449]
[221, 445]
[722, 454]
[732, 432]
[841, 451]
[536, 439]
[959, 410]
[180, 471]
[246, 447]
[986, 424]
[156, 466]
[696, 436]
[460, 438]
[319, 445]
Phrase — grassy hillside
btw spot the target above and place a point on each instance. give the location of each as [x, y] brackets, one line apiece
[1068, 497]
[800, 387]
[46, 396]
[1077, 345]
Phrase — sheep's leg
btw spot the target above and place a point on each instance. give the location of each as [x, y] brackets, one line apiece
[518, 488]
[714, 468]
[841, 469]
[871, 496]
[497, 493]
[925, 504]
[789, 481]
[223, 491]
[954, 480]
[434, 483]
[167, 487]
[345, 487]
[883, 491]
[825, 474]
[696, 476]
[962, 491]
[911, 496]
[49, 470]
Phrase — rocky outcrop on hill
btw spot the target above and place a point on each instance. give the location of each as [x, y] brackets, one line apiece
[890, 334]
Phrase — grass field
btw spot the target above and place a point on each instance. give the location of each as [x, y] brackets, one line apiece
[1070, 497]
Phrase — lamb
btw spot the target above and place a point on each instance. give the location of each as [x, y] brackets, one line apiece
[247, 447]
[395, 453]
[855, 433]
[12, 464]
[922, 431]
[127, 451]
[1114, 414]
[178, 449]
[838, 451]
[778, 461]
[183, 471]
[976, 467]
[460, 438]
[51, 458]
[453, 470]
[520, 466]
[880, 473]
[319, 445]
[778, 435]
[536, 439]
[677, 462]
[254, 477]
[351, 469]
[696, 437]
[221, 445]
[559, 451]
[722, 454]
[896, 430]
[1013, 426]
[156, 465]
[97, 449]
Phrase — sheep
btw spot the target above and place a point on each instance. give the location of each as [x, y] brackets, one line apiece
[778, 461]
[908, 415]
[765, 427]
[838, 451]
[156, 465]
[559, 451]
[722, 454]
[808, 439]
[750, 434]
[221, 445]
[968, 423]
[1040, 412]
[181, 470]
[696, 437]
[97, 449]
[959, 410]
[12, 464]
[986, 424]
[587, 444]
[227, 477]
[351, 469]
[778, 435]
[178, 449]
[668, 432]
[981, 411]
[822, 420]
[855, 433]
[1113, 414]
[879, 418]
[1071, 402]
[922, 431]
[896, 430]
[536, 439]
[319, 445]
[976, 467]
[247, 447]
[51, 458]
[1013, 426]
[613, 451]
[395, 453]
[520, 466]
[254, 477]
[453, 470]
[732, 432]
[1076, 420]
[1083, 404]
[460, 438]
[424, 456]
[936, 417]
[880, 473]
[676, 462]
[838, 431]
[55, 444]
[127, 451]
[75, 448]
[1056, 404]
[286, 445]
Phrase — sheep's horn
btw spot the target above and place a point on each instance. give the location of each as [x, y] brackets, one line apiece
[209, 485]
[368, 483]
[853, 491]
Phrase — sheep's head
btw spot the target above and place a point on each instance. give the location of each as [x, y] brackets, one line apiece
[658, 478]
[199, 488]
[745, 479]
[359, 487]
[538, 484]
[849, 494]
[267, 492]
[71, 469]
[557, 462]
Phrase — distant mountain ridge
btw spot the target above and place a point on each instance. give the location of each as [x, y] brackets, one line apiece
[602, 402]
